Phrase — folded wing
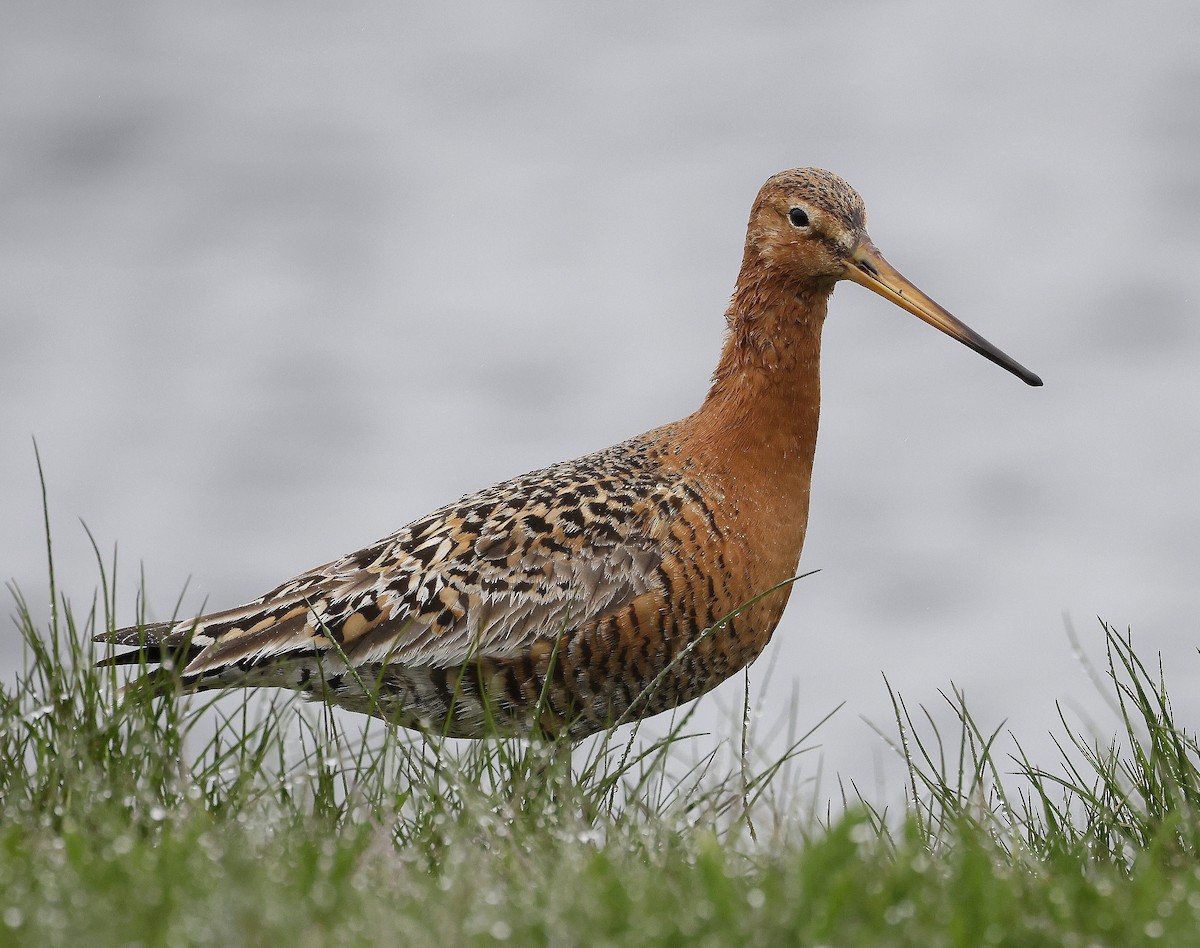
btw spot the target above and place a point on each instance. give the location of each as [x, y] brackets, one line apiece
[485, 577]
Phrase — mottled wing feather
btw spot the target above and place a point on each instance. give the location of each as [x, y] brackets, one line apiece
[484, 577]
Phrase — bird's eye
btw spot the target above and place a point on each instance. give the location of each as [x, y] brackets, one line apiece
[798, 217]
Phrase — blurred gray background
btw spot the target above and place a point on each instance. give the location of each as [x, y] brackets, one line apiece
[278, 277]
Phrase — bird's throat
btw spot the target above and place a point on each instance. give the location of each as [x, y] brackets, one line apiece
[755, 435]
[765, 397]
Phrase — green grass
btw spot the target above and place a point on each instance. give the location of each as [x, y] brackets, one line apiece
[131, 819]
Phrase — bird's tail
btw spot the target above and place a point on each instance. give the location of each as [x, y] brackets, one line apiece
[160, 650]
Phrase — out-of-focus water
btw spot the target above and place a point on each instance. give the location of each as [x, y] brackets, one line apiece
[276, 278]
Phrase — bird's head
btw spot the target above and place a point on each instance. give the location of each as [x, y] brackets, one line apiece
[809, 227]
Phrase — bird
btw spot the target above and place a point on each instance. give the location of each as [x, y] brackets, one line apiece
[600, 590]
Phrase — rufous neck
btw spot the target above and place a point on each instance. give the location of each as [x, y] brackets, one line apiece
[766, 390]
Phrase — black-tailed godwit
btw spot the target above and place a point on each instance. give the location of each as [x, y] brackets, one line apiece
[598, 590]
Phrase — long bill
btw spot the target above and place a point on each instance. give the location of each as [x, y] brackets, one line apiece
[868, 268]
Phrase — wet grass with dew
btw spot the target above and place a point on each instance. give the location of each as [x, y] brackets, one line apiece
[129, 818]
